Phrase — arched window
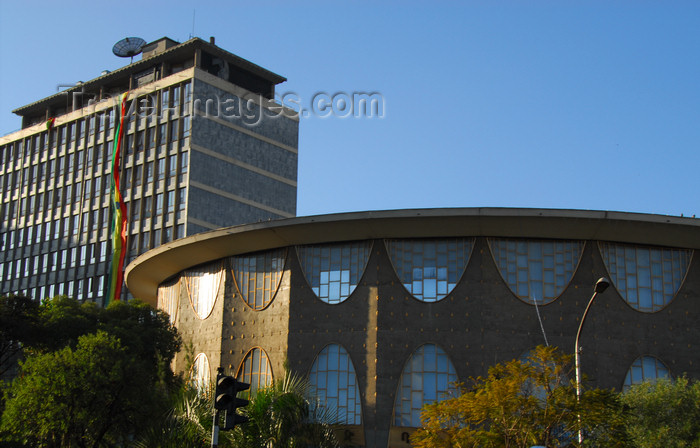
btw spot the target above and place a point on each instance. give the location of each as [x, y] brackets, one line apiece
[169, 298]
[429, 268]
[645, 368]
[258, 276]
[536, 270]
[428, 376]
[200, 374]
[255, 370]
[203, 287]
[334, 381]
[646, 277]
[334, 270]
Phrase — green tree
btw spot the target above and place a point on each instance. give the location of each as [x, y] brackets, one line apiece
[80, 397]
[73, 348]
[520, 404]
[18, 326]
[61, 321]
[143, 330]
[146, 332]
[665, 413]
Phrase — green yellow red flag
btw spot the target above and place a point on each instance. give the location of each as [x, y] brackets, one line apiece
[119, 218]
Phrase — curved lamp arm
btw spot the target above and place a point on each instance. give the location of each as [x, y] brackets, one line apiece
[600, 286]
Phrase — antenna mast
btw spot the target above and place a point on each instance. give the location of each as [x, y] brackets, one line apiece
[193, 14]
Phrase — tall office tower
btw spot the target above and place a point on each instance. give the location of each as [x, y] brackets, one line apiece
[204, 146]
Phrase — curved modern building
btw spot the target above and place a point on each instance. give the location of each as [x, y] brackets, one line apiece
[383, 311]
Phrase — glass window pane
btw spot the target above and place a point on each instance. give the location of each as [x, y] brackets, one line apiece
[202, 286]
[333, 271]
[427, 376]
[645, 368]
[424, 266]
[334, 382]
[200, 374]
[169, 298]
[542, 268]
[257, 276]
[643, 275]
[255, 370]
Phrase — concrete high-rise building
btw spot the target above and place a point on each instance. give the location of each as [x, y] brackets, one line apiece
[204, 146]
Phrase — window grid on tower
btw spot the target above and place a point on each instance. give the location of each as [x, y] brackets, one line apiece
[257, 276]
[536, 270]
[77, 138]
[154, 141]
[55, 188]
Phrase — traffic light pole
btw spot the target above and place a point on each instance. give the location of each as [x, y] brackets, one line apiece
[215, 424]
[215, 431]
[225, 399]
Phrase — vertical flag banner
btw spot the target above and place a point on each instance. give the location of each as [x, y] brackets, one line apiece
[118, 226]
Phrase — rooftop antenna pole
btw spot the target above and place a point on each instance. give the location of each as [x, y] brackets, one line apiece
[537, 310]
[192, 33]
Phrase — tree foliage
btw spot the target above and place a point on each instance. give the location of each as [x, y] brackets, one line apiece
[93, 376]
[101, 377]
[62, 320]
[281, 416]
[521, 403]
[18, 326]
[78, 397]
[664, 414]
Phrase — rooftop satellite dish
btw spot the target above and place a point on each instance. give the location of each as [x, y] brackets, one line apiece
[128, 47]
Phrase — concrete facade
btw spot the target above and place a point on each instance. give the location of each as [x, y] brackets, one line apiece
[479, 323]
[247, 167]
[188, 165]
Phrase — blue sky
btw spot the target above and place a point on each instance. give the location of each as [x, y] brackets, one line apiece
[552, 104]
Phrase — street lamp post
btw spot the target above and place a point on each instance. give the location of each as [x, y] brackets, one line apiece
[600, 286]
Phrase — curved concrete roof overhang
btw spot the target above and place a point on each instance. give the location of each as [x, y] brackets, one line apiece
[146, 272]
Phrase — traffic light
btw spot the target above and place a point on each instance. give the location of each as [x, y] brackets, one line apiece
[231, 418]
[227, 387]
